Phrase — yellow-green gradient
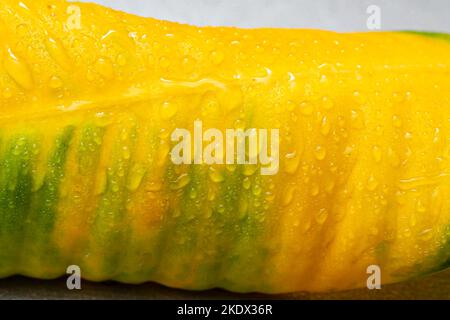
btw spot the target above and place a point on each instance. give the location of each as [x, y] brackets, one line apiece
[86, 178]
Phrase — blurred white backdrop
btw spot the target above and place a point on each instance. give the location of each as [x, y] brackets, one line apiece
[338, 15]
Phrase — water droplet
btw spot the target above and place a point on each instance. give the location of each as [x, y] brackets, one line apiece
[57, 52]
[55, 82]
[221, 208]
[398, 97]
[168, 110]
[320, 152]
[269, 196]
[292, 162]
[249, 169]
[182, 181]
[372, 183]
[357, 119]
[90, 76]
[135, 178]
[396, 121]
[327, 103]
[7, 93]
[18, 71]
[315, 189]
[105, 68]
[393, 158]
[239, 124]
[21, 141]
[322, 216]
[97, 139]
[407, 233]
[17, 150]
[246, 183]
[23, 6]
[288, 195]
[421, 207]
[154, 186]
[436, 135]
[329, 187]
[215, 175]
[164, 62]
[108, 34]
[115, 187]
[211, 194]
[121, 172]
[306, 108]
[325, 126]
[208, 212]
[359, 97]
[193, 193]
[126, 153]
[290, 106]
[243, 207]
[121, 59]
[124, 135]
[188, 64]
[256, 190]
[376, 153]
[217, 57]
[22, 29]
[413, 220]
[426, 234]
[100, 183]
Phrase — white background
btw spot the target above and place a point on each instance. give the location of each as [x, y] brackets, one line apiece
[339, 15]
